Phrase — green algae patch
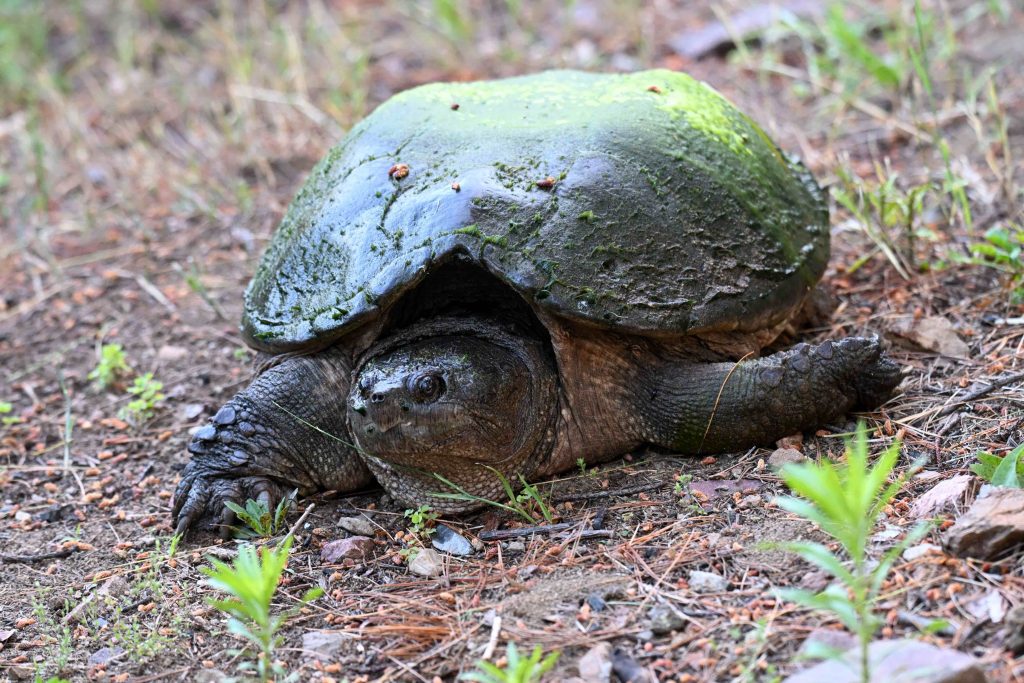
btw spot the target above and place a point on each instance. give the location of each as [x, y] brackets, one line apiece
[471, 230]
[665, 208]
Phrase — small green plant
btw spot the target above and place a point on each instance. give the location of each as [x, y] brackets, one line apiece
[518, 669]
[1003, 249]
[422, 521]
[524, 503]
[682, 481]
[193, 278]
[251, 581]
[756, 668]
[582, 465]
[113, 366]
[845, 502]
[8, 419]
[23, 52]
[847, 44]
[889, 214]
[147, 390]
[259, 521]
[1005, 471]
[62, 646]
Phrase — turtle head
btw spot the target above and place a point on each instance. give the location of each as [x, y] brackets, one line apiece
[453, 397]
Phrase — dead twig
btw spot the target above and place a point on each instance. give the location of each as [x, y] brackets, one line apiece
[542, 530]
[492, 642]
[298, 523]
[594, 495]
[29, 559]
[972, 395]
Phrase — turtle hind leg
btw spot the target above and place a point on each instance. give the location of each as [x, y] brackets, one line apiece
[714, 407]
[287, 430]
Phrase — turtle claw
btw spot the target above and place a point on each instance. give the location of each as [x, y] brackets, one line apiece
[201, 497]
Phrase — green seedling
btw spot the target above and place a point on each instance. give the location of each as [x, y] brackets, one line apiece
[848, 41]
[148, 396]
[422, 521]
[113, 366]
[258, 520]
[452, 18]
[251, 581]
[582, 465]
[524, 503]
[518, 669]
[1005, 471]
[846, 502]
[1003, 249]
[889, 214]
[7, 419]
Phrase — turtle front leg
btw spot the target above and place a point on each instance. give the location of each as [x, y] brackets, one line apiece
[719, 407]
[286, 430]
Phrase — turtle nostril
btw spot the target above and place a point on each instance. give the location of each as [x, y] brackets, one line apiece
[376, 397]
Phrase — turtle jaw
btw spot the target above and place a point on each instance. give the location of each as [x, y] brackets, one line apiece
[458, 399]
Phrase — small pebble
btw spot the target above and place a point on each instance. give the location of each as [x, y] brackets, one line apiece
[448, 540]
[707, 582]
[359, 525]
[427, 563]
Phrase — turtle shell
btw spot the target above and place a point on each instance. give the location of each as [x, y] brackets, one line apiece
[643, 202]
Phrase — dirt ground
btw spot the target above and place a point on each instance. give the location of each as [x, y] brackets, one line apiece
[148, 150]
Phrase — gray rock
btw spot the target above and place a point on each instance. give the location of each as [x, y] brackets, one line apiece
[360, 525]
[450, 541]
[596, 665]
[897, 661]
[785, 456]
[991, 526]
[21, 673]
[105, 655]
[943, 495]
[516, 547]
[427, 563]
[355, 548]
[663, 619]
[191, 411]
[826, 640]
[597, 602]
[1012, 632]
[628, 670]
[322, 645]
[707, 582]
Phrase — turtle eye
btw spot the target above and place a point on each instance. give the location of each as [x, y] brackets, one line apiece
[427, 387]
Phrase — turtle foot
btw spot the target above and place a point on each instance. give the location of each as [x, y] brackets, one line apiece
[873, 376]
[824, 381]
[201, 497]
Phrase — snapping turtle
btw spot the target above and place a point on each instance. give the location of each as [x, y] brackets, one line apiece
[520, 273]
